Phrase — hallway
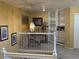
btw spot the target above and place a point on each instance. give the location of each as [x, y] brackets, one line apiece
[30, 29]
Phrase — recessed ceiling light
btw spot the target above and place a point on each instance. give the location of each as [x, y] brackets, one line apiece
[44, 8]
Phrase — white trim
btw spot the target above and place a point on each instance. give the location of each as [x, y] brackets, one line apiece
[76, 30]
[68, 48]
[29, 55]
[37, 33]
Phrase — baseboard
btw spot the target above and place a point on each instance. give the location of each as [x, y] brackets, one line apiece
[68, 48]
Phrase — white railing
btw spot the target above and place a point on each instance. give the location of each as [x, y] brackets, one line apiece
[29, 55]
[3, 54]
[54, 40]
[13, 55]
[37, 33]
[39, 37]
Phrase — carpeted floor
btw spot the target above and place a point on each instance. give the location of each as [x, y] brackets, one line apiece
[66, 53]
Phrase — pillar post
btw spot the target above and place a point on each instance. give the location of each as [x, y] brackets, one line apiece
[55, 34]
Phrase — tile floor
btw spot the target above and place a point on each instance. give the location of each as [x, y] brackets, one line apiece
[66, 53]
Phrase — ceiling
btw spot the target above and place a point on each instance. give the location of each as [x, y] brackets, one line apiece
[41, 5]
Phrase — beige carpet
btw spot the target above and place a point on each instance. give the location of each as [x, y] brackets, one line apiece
[66, 53]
